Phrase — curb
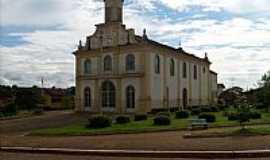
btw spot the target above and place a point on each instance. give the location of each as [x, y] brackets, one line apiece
[143, 154]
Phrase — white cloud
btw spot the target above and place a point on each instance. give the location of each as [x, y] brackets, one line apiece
[234, 6]
[48, 53]
[48, 13]
[238, 47]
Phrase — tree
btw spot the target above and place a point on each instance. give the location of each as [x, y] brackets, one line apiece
[263, 96]
[67, 102]
[243, 113]
[232, 96]
[27, 98]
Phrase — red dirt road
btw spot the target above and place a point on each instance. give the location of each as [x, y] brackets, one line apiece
[147, 141]
[22, 156]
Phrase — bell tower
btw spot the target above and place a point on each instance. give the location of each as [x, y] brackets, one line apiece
[114, 11]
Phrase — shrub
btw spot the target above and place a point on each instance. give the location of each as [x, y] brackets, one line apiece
[164, 114]
[226, 113]
[208, 117]
[1, 115]
[9, 110]
[122, 119]
[174, 109]
[162, 120]
[99, 122]
[195, 111]
[195, 107]
[181, 114]
[38, 111]
[140, 117]
[213, 109]
[260, 106]
[205, 109]
[251, 115]
[233, 116]
[222, 107]
[255, 115]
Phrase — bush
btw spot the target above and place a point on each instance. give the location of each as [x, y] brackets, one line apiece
[260, 106]
[1, 115]
[195, 111]
[38, 111]
[181, 114]
[195, 107]
[162, 120]
[255, 115]
[9, 110]
[233, 117]
[222, 107]
[208, 117]
[122, 119]
[140, 117]
[174, 109]
[251, 115]
[168, 114]
[99, 122]
[205, 109]
[214, 109]
[225, 113]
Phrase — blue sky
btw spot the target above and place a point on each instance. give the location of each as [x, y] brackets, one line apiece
[38, 37]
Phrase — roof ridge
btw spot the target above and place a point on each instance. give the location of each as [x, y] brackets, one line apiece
[170, 47]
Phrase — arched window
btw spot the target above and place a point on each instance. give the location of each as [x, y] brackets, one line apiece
[87, 97]
[130, 62]
[87, 66]
[157, 64]
[172, 70]
[108, 63]
[195, 72]
[108, 94]
[130, 97]
[203, 69]
[184, 70]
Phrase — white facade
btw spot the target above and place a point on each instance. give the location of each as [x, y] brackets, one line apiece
[117, 71]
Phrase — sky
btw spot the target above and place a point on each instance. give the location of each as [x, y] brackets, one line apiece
[38, 36]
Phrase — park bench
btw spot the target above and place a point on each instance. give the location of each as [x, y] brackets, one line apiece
[198, 123]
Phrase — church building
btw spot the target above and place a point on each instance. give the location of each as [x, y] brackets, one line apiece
[120, 72]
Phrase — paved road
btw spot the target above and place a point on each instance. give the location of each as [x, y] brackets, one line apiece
[22, 156]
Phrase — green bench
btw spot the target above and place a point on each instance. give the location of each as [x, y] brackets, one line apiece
[198, 123]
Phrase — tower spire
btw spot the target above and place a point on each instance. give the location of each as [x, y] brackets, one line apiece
[114, 11]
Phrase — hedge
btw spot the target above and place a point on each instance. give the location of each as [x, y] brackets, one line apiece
[140, 117]
[122, 119]
[208, 117]
[162, 120]
[195, 111]
[99, 122]
[181, 114]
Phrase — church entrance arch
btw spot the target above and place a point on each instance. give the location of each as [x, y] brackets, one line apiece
[108, 94]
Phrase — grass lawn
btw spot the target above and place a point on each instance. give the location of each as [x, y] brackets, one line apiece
[79, 129]
[229, 132]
